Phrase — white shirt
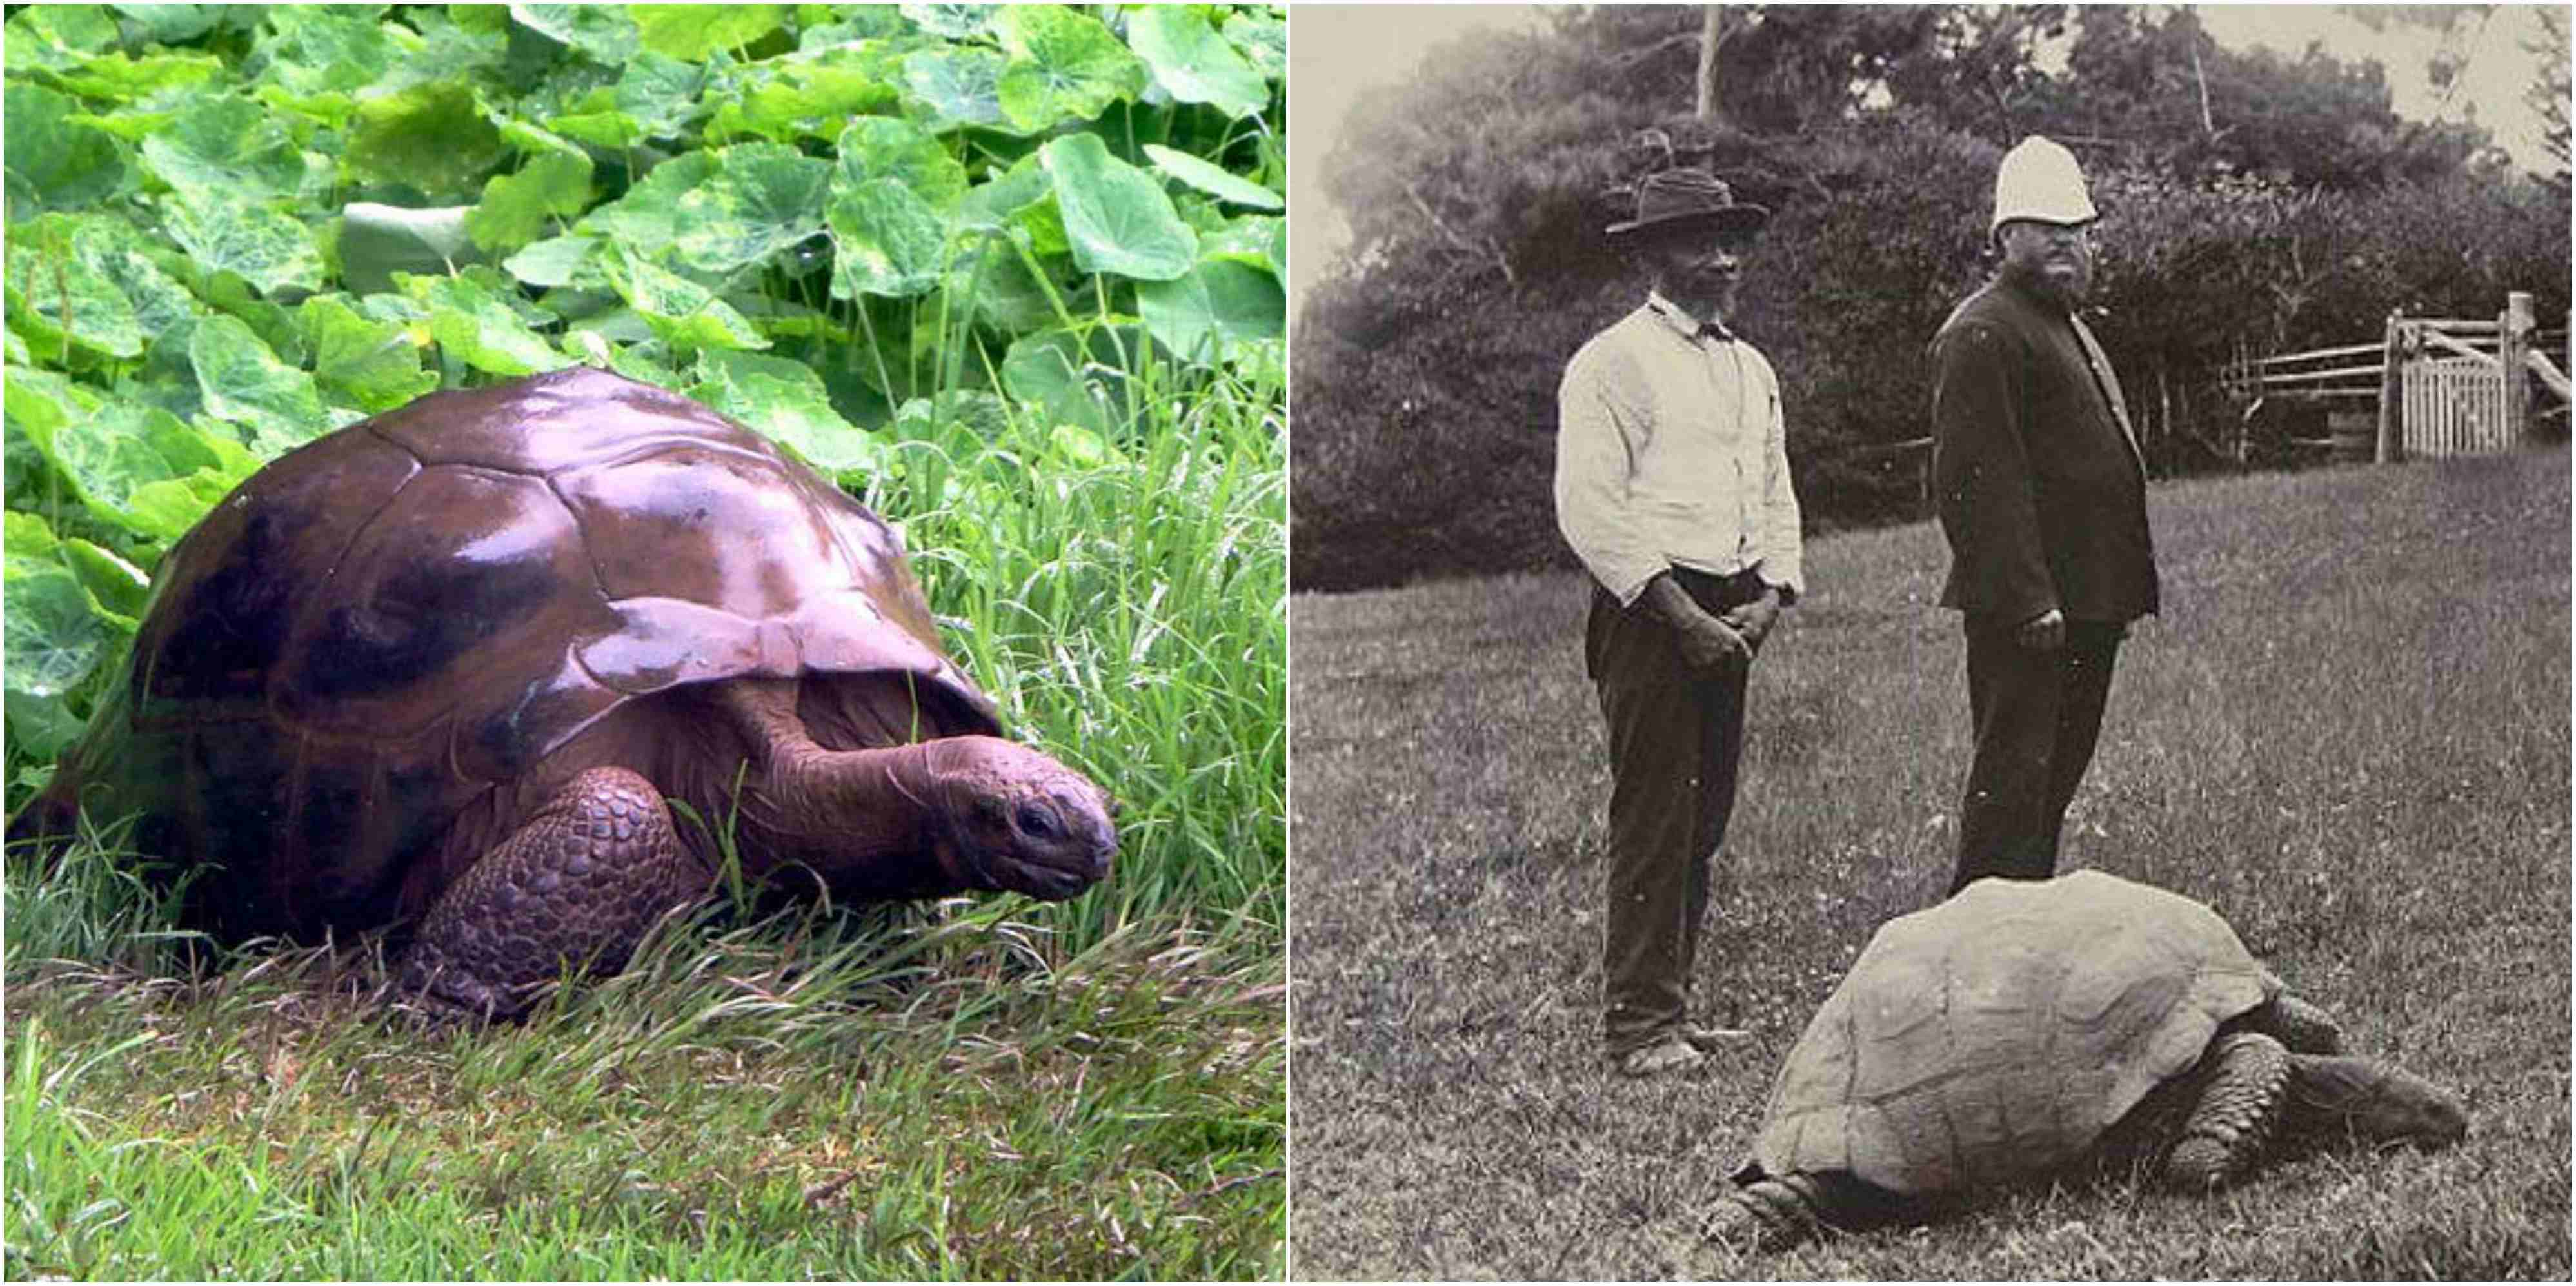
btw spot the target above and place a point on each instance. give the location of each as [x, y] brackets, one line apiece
[1670, 452]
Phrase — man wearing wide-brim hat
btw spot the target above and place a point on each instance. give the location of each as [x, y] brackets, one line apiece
[2043, 497]
[1672, 485]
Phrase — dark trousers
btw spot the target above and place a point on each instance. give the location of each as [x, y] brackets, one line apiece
[1675, 738]
[2037, 716]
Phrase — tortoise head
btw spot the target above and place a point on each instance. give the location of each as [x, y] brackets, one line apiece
[1008, 818]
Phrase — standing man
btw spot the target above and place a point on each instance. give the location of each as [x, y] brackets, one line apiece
[2043, 496]
[1672, 485]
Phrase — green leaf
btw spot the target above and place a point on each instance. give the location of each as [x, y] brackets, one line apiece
[40, 728]
[117, 586]
[885, 241]
[373, 365]
[54, 296]
[662, 94]
[472, 322]
[786, 401]
[690, 32]
[221, 148]
[267, 249]
[1193, 63]
[1020, 196]
[556, 261]
[647, 219]
[243, 382]
[102, 455]
[432, 137]
[319, 54]
[1214, 180]
[1078, 378]
[1262, 39]
[681, 312]
[171, 24]
[519, 208]
[959, 86]
[51, 163]
[116, 78]
[880, 147]
[55, 635]
[1064, 66]
[1216, 302]
[1118, 218]
[760, 199]
[377, 241]
[955, 21]
[28, 538]
[604, 32]
[1260, 240]
[168, 508]
[57, 37]
[808, 100]
[606, 127]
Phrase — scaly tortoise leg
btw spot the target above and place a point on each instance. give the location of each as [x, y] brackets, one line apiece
[579, 883]
[1776, 1212]
[2241, 1101]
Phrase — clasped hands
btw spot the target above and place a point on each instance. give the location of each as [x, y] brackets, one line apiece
[1713, 641]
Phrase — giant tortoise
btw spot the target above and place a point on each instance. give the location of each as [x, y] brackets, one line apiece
[440, 670]
[2021, 1026]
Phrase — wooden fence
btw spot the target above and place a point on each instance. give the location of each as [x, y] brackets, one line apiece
[2438, 386]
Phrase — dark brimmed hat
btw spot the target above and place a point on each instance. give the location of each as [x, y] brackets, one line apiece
[1677, 198]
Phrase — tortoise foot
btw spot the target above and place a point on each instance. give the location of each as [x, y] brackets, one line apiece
[577, 886]
[2248, 1084]
[1764, 1215]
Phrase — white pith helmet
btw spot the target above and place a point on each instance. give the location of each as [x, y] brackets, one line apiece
[2039, 180]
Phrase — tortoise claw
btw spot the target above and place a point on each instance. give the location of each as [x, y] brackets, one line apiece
[1762, 1216]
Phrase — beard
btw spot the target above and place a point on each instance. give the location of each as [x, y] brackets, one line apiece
[1707, 296]
[2064, 277]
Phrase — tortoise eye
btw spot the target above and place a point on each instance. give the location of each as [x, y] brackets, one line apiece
[1038, 823]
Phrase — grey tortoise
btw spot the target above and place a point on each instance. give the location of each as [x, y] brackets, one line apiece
[2021, 1026]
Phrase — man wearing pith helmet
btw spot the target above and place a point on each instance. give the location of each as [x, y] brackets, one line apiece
[1672, 485]
[2043, 496]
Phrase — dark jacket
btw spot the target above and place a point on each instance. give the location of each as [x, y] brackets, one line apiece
[2042, 492]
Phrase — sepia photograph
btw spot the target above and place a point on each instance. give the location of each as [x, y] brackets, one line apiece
[1930, 642]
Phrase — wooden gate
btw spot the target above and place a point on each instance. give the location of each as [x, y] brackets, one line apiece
[2456, 406]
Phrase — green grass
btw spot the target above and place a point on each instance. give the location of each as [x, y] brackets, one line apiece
[988, 1089]
[2348, 732]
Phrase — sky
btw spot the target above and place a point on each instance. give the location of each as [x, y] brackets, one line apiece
[1336, 51]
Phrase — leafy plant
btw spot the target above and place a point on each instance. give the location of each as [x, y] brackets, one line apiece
[234, 229]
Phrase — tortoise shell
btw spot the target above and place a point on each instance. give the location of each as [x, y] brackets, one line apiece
[379, 628]
[1997, 1035]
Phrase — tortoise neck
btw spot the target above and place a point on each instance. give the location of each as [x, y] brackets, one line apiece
[840, 811]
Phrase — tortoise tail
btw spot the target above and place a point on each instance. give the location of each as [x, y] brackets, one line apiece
[2247, 1087]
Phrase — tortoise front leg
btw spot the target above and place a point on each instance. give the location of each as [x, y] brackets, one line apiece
[578, 884]
[2247, 1086]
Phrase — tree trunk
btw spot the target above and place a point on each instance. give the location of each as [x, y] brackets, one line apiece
[1712, 33]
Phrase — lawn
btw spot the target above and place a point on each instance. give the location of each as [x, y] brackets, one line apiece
[2348, 733]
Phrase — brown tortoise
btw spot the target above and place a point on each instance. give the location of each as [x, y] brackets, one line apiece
[440, 669]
